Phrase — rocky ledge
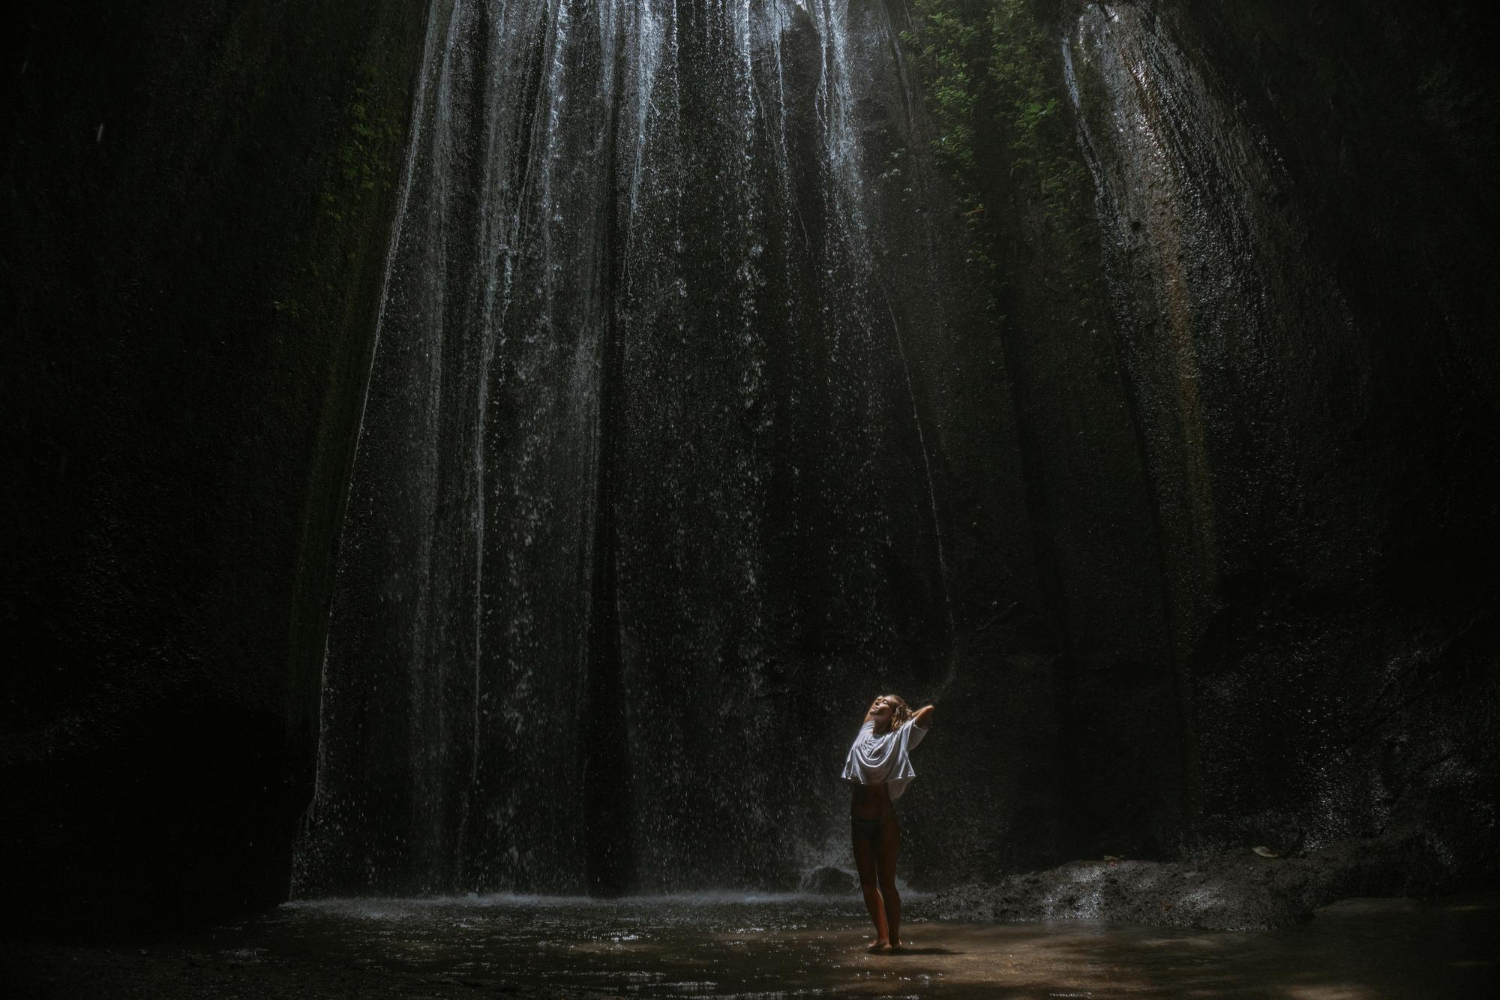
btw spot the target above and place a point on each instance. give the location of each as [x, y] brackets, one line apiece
[1232, 890]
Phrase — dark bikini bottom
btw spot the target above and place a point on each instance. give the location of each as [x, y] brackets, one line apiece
[869, 829]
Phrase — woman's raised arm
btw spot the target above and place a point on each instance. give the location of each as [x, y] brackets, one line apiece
[923, 717]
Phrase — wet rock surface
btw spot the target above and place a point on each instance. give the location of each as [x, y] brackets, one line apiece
[829, 880]
[1251, 889]
[1273, 597]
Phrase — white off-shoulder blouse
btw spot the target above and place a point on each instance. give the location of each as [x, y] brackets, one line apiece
[875, 759]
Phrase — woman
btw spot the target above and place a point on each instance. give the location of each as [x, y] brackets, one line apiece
[879, 766]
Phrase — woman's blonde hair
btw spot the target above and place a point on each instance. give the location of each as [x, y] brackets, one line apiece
[903, 712]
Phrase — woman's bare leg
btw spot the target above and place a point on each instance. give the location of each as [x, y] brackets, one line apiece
[864, 861]
[886, 847]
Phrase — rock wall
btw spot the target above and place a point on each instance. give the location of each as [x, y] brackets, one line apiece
[1286, 206]
[196, 201]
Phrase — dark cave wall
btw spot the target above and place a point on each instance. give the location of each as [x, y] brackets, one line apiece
[1241, 251]
[196, 202]
[1350, 655]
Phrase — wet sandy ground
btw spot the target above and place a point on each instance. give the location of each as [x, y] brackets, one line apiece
[765, 947]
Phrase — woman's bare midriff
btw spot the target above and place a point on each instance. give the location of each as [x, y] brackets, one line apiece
[871, 802]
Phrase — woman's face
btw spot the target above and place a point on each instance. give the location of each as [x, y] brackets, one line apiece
[882, 710]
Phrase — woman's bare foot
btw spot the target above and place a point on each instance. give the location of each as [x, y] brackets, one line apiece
[881, 947]
[893, 948]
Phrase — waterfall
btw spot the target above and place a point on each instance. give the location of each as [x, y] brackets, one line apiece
[650, 484]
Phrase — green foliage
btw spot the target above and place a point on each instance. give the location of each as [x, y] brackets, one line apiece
[946, 42]
[368, 139]
[1041, 141]
[993, 82]
[364, 158]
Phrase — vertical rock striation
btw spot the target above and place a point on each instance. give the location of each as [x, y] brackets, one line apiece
[1299, 416]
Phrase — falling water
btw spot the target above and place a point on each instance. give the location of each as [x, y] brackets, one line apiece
[649, 481]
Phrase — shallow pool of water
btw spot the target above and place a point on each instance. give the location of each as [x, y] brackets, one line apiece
[764, 947]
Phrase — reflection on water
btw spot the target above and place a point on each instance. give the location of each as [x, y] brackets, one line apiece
[699, 944]
[721, 945]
